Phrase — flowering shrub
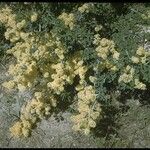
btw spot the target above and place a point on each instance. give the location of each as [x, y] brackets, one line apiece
[53, 47]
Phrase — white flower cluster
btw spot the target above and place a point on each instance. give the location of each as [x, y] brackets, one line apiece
[106, 48]
[89, 110]
[13, 28]
[127, 76]
[58, 78]
[34, 17]
[98, 28]
[84, 8]
[141, 56]
[139, 85]
[37, 108]
[68, 19]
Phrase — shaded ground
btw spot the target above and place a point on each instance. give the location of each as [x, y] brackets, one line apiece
[135, 129]
[130, 129]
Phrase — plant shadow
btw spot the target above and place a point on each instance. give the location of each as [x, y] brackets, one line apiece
[107, 124]
[66, 99]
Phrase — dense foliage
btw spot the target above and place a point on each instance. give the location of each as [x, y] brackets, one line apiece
[86, 54]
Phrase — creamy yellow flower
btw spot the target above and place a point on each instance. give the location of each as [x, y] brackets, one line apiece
[143, 60]
[16, 129]
[84, 8]
[127, 68]
[103, 42]
[25, 132]
[139, 85]
[140, 51]
[114, 68]
[26, 124]
[98, 28]
[38, 95]
[92, 123]
[76, 128]
[104, 56]
[116, 55]
[21, 88]
[135, 59]
[125, 78]
[68, 19]
[46, 75]
[34, 17]
[92, 79]
[87, 131]
[21, 24]
[9, 85]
